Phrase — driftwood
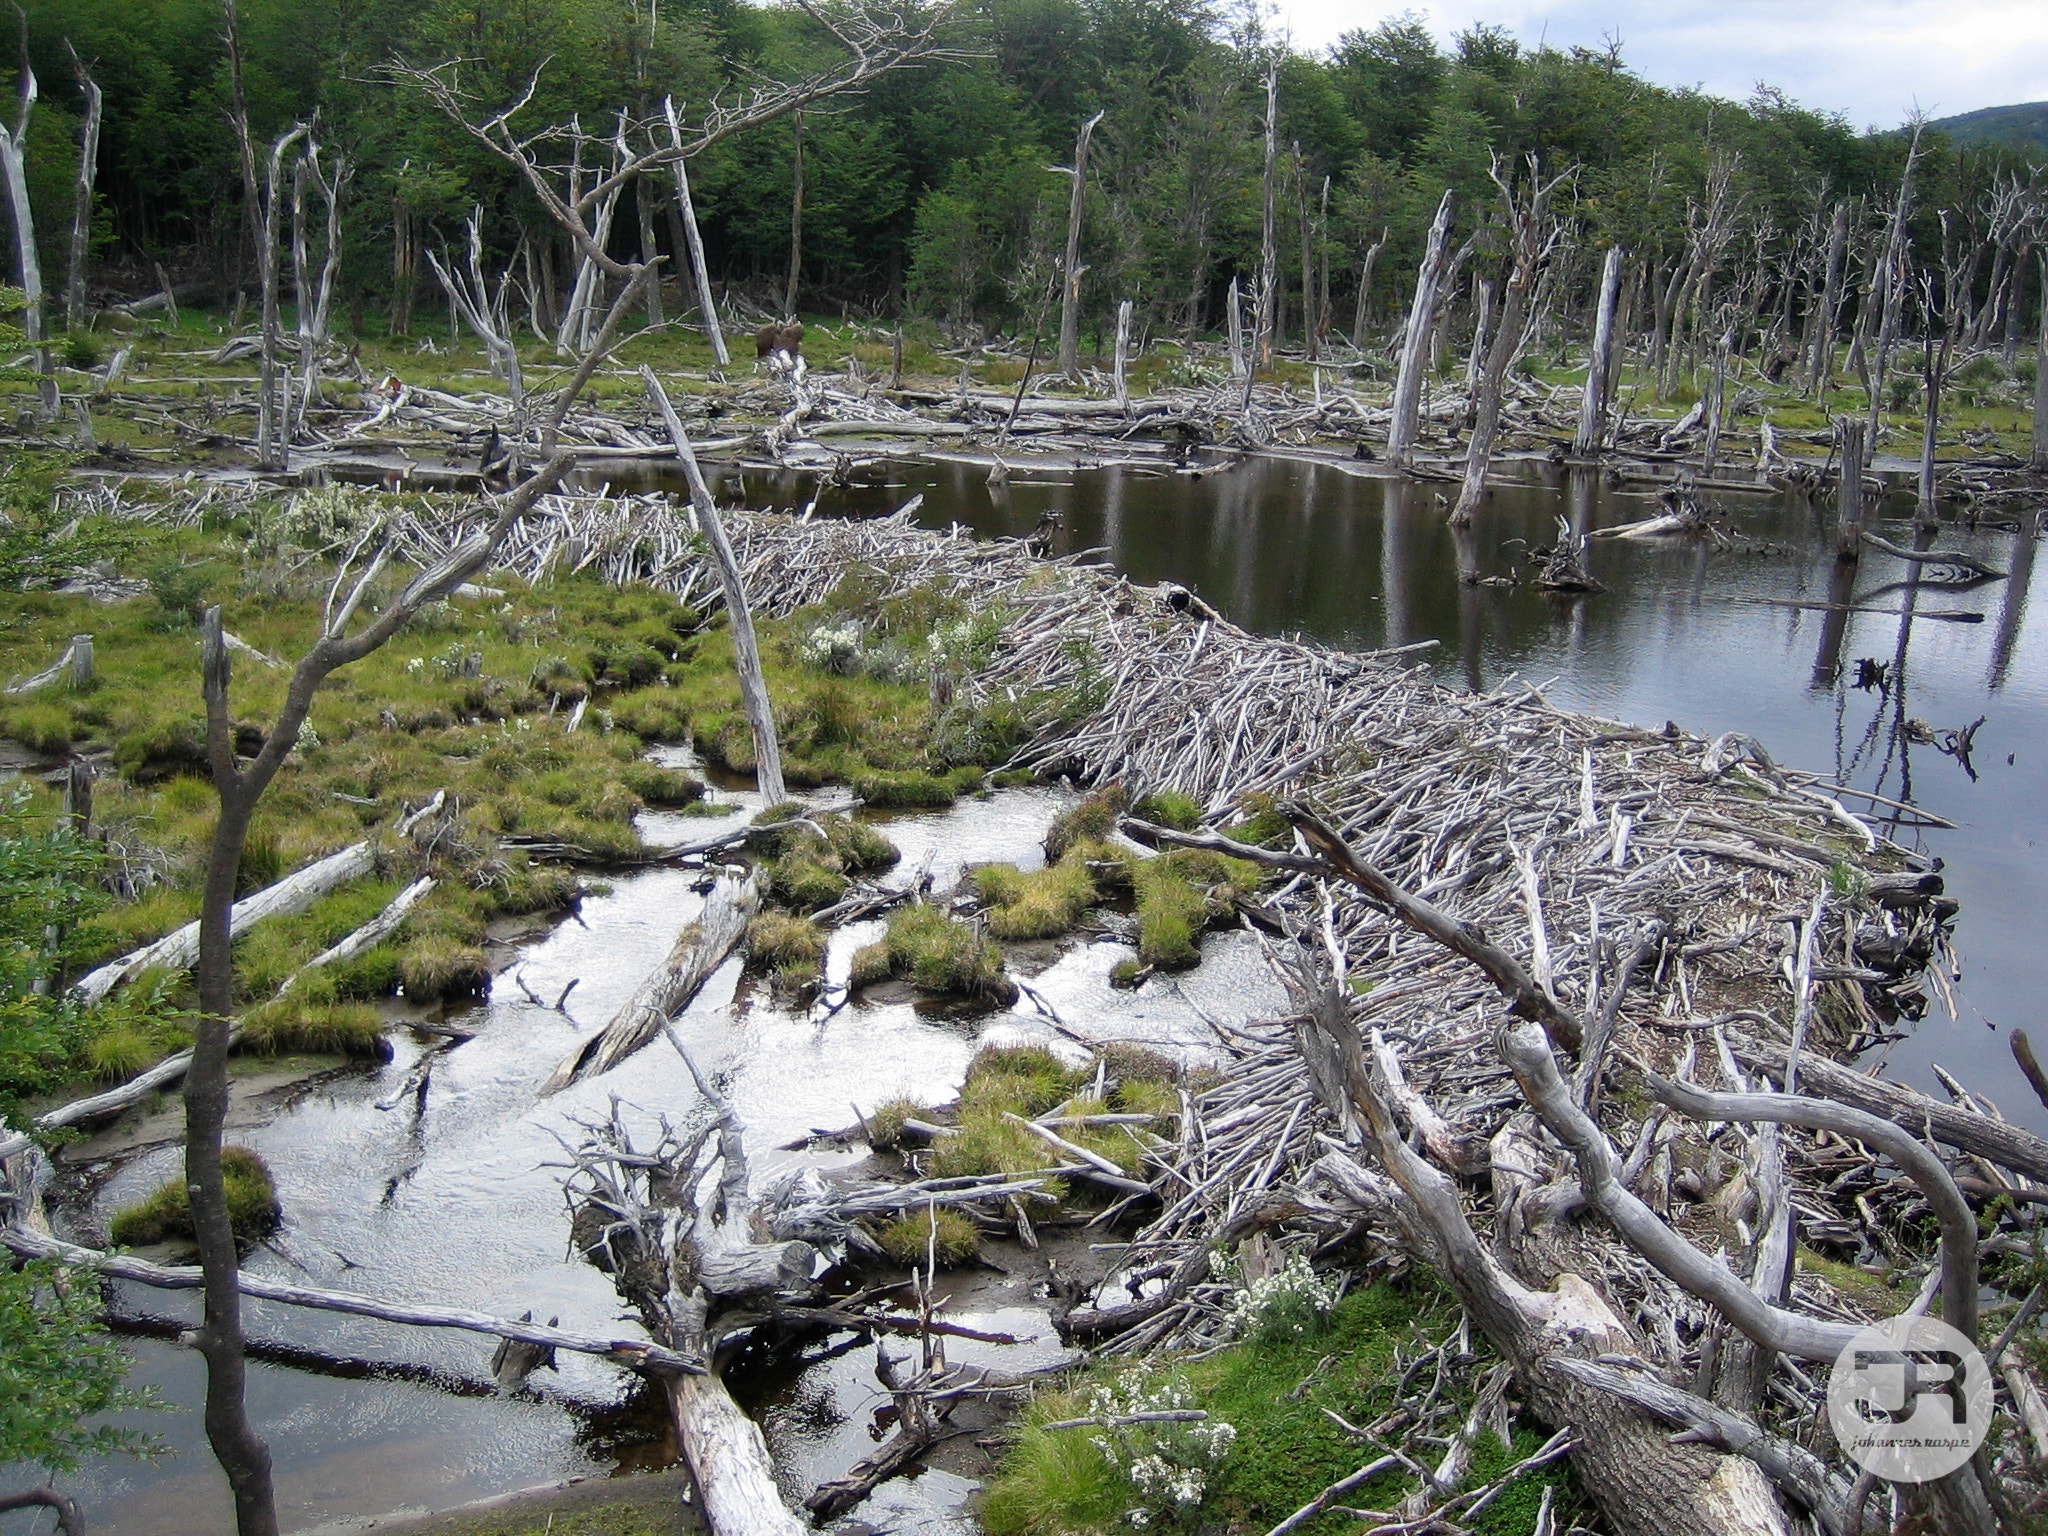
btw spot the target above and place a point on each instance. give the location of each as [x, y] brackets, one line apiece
[636, 1354]
[700, 950]
[288, 897]
[1956, 558]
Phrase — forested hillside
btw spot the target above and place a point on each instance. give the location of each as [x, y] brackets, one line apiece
[940, 190]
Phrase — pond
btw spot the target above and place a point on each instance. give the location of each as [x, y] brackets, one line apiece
[1688, 630]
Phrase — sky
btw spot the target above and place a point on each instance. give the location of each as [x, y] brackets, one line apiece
[1874, 61]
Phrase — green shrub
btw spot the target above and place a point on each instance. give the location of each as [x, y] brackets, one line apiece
[166, 1211]
[83, 351]
[944, 1234]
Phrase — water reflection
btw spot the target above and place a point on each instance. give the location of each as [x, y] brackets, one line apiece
[1764, 636]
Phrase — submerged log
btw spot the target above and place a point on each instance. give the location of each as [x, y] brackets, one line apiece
[699, 951]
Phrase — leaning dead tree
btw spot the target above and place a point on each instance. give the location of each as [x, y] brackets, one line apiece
[1532, 237]
[14, 180]
[1071, 269]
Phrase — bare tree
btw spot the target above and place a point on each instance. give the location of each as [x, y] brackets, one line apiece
[14, 174]
[1071, 269]
[1532, 236]
[1415, 338]
[81, 207]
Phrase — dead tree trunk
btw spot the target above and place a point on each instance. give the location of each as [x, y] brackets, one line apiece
[75, 305]
[796, 217]
[746, 651]
[657, 1222]
[1360, 305]
[1849, 499]
[1071, 269]
[2038, 458]
[1893, 275]
[1122, 358]
[643, 195]
[1933, 375]
[1592, 433]
[1235, 304]
[707, 305]
[1415, 339]
[1821, 368]
[1267, 319]
[1528, 213]
[14, 172]
[1310, 315]
[700, 950]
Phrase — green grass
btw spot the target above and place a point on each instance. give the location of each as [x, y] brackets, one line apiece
[1038, 904]
[165, 1212]
[1179, 894]
[1286, 1450]
[909, 1238]
[928, 949]
[1093, 819]
[791, 949]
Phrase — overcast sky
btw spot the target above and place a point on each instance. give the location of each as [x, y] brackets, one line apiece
[1871, 60]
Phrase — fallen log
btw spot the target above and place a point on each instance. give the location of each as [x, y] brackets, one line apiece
[1954, 557]
[699, 951]
[635, 1354]
[1980, 1135]
[76, 661]
[290, 896]
[171, 1068]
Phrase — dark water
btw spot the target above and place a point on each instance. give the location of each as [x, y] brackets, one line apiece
[1686, 632]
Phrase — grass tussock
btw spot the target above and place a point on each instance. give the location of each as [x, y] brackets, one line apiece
[1092, 820]
[931, 951]
[293, 1025]
[166, 1212]
[1038, 904]
[790, 949]
[886, 1122]
[1181, 893]
[943, 1234]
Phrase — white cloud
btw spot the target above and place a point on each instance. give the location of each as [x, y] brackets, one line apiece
[1873, 61]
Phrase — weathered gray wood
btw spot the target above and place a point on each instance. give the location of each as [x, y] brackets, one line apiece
[699, 951]
[14, 181]
[1592, 433]
[81, 205]
[636, 1354]
[1071, 268]
[291, 895]
[1849, 498]
[74, 668]
[707, 304]
[1123, 345]
[1415, 339]
[746, 650]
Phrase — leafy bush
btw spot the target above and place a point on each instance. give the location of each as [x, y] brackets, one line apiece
[61, 1373]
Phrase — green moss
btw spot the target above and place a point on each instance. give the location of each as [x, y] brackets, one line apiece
[166, 1212]
[652, 714]
[804, 882]
[1090, 821]
[1126, 973]
[1039, 904]
[945, 1234]
[1023, 1079]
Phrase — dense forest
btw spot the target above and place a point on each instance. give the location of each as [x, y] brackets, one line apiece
[940, 190]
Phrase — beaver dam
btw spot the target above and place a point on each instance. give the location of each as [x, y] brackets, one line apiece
[1518, 1180]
